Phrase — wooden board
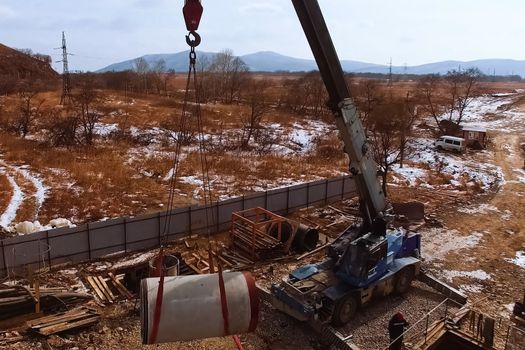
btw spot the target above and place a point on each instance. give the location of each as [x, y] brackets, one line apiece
[63, 321]
[120, 287]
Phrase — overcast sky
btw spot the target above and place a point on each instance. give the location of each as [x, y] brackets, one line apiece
[101, 32]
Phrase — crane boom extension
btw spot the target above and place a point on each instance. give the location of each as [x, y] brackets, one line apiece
[350, 127]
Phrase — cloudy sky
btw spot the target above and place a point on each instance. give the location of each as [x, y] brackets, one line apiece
[101, 32]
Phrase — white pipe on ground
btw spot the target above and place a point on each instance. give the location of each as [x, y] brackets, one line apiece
[192, 307]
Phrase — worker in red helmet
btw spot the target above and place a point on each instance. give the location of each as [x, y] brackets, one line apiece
[396, 328]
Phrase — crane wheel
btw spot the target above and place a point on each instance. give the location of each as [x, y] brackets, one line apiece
[344, 310]
[404, 279]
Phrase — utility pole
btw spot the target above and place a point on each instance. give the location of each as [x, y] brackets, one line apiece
[66, 79]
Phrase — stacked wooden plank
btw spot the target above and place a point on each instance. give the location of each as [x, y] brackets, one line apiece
[108, 289]
[15, 301]
[76, 318]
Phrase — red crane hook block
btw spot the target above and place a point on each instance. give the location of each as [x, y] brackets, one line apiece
[192, 14]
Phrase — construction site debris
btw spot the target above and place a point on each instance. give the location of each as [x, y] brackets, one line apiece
[7, 338]
[258, 234]
[76, 318]
[109, 289]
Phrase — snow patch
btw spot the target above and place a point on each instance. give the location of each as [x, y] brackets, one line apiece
[413, 175]
[16, 200]
[476, 274]
[518, 260]
[472, 288]
[438, 242]
[480, 209]
[104, 130]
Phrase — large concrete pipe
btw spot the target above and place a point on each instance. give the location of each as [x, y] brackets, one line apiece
[193, 307]
[286, 230]
[305, 239]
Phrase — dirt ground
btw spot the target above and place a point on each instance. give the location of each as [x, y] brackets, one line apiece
[470, 241]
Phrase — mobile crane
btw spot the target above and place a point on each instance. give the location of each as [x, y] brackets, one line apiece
[367, 259]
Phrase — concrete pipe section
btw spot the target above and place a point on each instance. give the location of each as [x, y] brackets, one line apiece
[193, 307]
[305, 239]
[170, 265]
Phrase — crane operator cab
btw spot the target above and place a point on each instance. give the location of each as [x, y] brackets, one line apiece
[364, 260]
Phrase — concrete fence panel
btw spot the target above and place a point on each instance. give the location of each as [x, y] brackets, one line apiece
[69, 245]
[128, 234]
[143, 232]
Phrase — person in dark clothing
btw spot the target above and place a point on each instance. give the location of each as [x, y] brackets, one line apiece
[396, 327]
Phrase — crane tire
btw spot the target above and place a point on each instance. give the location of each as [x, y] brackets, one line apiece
[344, 310]
[403, 280]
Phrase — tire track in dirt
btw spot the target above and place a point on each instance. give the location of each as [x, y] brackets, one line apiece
[24, 194]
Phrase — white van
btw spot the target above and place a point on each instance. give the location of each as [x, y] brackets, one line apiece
[450, 143]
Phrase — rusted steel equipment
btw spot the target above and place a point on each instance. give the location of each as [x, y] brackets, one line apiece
[259, 234]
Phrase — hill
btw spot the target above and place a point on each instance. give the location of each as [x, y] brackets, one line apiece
[267, 61]
[19, 66]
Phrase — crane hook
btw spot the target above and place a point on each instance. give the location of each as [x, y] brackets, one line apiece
[195, 41]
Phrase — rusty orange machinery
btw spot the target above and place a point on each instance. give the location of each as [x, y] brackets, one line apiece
[259, 234]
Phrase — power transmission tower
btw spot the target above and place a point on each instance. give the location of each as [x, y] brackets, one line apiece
[390, 73]
[66, 78]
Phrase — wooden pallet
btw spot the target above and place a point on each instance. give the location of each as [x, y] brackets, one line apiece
[76, 318]
[108, 289]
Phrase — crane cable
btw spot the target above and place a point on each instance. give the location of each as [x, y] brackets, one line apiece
[192, 13]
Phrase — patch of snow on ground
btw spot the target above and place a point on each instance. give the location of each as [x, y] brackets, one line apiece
[104, 130]
[411, 174]
[191, 180]
[521, 175]
[493, 113]
[507, 215]
[476, 274]
[438, 242]
[519, 259]
[456, 166]
[480, 209]
[472, 288]
[16, 200]
[41, 190]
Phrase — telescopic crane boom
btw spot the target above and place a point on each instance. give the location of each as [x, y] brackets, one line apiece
[350, 127]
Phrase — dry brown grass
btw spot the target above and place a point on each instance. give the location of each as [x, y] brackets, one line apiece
[91, 183]
[5, 192]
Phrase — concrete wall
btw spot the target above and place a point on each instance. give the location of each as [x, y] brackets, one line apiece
[128, 234]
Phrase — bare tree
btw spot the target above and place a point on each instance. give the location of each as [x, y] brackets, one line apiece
[85, 100]
[142, 68]
[257, 100]
[28, 110]
[390, 124]
[367, 95]
[428, 90]
[461, 87]
[159, 76]
[447, 98]
[62, 126]
[230, 74]
[306, 95]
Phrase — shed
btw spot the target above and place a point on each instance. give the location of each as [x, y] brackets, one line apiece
[475, 136]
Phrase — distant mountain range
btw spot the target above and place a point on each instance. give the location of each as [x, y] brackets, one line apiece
[267, 61]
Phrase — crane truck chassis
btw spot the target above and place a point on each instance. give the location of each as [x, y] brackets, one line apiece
[367, 260]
